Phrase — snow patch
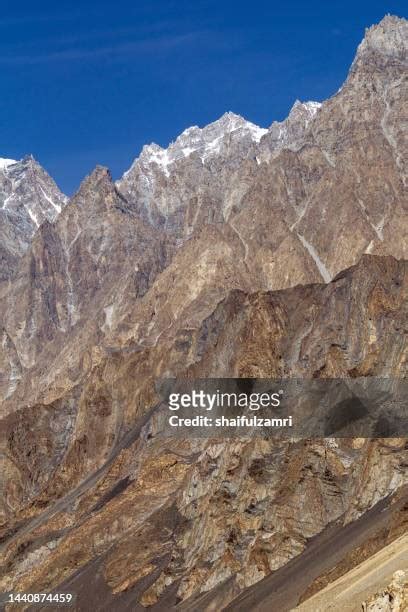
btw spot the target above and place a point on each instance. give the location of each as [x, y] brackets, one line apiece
[159, 156]
[6, 201]
[256, 131]
[187, 150]
[4, 163]
[33, 217]
[320, 265]
[369, 247]
[312, 107]
[56, 206]
[109, 310]
[307, 109]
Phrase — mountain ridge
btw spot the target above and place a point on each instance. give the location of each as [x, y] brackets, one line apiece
[264, 223]
[285, 257]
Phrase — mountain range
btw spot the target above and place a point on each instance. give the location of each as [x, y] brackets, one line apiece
[238, 251]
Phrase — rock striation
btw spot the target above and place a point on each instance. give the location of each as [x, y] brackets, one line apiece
[237, 251]
[207, 511]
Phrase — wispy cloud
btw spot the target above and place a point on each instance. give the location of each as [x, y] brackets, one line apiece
[111, 51]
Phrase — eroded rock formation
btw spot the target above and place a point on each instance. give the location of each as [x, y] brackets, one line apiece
[219, 256]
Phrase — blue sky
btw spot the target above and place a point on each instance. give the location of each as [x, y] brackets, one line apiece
[90, 82]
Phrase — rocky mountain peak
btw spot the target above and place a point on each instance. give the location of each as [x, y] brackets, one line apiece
[305, 109]
[97, 194]
[389, 37]
[28, 197]
[206, 142]
[291, 131]
[224, 257]
[26, 186]
[300, 116]
[100, 174]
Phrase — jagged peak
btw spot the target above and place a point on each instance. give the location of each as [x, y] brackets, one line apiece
[292, 128]
[31, 162]
[227, 123]
[99, 173]
[27, 160]
[389, 37]
[311, 107]
[96, 192]
[100, 176]
[204, 141]
[230, 120]
[387, 24]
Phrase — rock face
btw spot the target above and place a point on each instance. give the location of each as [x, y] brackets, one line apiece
[96, 254]
[28, 197]
[206, 510]
[393, 599]
[321, 188]
[216, 257]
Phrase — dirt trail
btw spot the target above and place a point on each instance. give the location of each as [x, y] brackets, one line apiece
[371, 576]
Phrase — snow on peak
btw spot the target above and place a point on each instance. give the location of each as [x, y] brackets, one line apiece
[301, 114]
[156, 154]
[291, 130]
[4, 163]
[228, 123]
[310, 107]
[206, 141]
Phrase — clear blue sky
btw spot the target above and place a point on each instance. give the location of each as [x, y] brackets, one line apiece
[90, 82]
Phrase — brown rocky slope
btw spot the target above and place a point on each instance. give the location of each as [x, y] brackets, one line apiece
[205, 263]
[253, 215]
[188, 512]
